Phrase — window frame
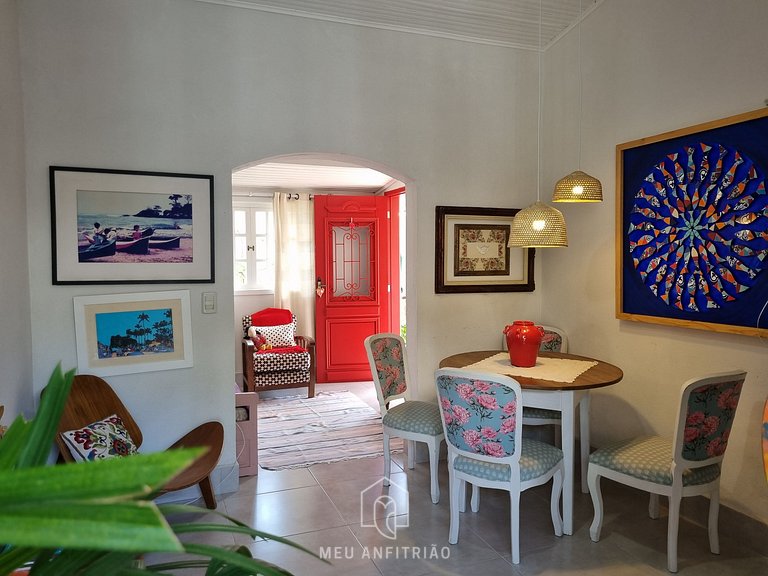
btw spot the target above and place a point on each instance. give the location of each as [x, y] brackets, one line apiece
[251, 205]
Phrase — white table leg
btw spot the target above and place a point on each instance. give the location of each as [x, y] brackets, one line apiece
[568, 425]
[584, 440]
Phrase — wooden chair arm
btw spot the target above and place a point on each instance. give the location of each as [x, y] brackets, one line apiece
[248, 351]
[309, 343]
[305, 341]
[209, 435]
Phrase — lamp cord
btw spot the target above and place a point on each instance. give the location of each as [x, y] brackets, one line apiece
[538, 121]
[581, 95]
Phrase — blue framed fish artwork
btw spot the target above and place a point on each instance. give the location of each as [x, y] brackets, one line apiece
[692, 227]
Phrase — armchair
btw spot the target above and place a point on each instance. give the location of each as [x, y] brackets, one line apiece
[96, 424]
[274, 356]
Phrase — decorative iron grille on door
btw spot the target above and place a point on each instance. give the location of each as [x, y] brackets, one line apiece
[353, 261]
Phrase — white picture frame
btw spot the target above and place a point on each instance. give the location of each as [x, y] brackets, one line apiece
[109, 343]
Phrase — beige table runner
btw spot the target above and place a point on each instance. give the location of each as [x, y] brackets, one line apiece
[554, 369]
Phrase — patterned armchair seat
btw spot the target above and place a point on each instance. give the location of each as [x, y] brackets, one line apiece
[274, 356]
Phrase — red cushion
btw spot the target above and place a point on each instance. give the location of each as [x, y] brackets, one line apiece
[271, 317]
[282, 350]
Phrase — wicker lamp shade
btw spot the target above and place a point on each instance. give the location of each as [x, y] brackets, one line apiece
[578, 186]
[538, 226]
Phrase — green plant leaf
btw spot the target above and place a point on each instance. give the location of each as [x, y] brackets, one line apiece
[129, 526]
[55, 506]
[236, 526]
[104, 563]
[15, 557]
[219, 567]
[13, 442]
[113, 479]
[82, 562]
[234, 558]
[46, 421]
[178, 565]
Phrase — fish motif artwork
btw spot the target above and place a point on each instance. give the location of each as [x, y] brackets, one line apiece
[697, 230]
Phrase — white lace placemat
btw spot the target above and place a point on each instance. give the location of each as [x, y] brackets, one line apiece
[555, 369]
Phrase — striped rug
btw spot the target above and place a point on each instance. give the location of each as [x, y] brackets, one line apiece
[296, 431]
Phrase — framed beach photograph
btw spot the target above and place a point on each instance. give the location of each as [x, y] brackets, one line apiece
[130, 227]
[128, 333]
[471, 252]
[692, 227]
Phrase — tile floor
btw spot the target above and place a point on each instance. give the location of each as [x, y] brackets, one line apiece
[320, 508]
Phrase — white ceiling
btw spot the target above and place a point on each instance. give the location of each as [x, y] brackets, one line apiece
[522, 24]
[317, 174]
[511, 23]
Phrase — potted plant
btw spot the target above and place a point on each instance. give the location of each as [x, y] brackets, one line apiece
[98, 518]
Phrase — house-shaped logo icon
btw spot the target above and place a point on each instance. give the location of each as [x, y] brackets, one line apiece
[384, 507]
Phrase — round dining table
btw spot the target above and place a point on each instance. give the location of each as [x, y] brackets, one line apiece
[552, 392]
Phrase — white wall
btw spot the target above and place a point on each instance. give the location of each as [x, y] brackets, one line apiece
[15, 337]
[649, 68]
[183, 86]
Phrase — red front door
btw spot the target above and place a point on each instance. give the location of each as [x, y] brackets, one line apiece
[352, 259]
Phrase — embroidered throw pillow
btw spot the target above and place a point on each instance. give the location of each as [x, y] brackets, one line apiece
[277, 336]
[103, 439]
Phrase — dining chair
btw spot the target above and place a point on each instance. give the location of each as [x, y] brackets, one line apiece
[411, 420]
[554, 340]
[480, 413]
[689, 464]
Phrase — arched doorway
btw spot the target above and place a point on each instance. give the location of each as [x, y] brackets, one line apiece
[305, 175]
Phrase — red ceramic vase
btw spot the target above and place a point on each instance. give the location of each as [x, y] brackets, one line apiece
[523, 341]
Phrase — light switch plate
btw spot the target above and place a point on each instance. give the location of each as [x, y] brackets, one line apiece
[209, 302]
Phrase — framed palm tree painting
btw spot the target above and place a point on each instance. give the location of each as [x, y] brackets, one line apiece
[128, 333]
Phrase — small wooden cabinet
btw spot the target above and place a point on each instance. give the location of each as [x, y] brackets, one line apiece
[246, 432]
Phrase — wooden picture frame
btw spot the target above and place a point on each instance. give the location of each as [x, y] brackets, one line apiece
[692, 227]
[130, 333]
[130, 227]
[471, 252]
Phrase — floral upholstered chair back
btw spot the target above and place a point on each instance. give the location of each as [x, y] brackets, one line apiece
[554, 340]
[707, 409]
[481, 413]
[389, 370]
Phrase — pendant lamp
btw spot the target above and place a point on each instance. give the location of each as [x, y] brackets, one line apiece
[538, 225]
[578, 186]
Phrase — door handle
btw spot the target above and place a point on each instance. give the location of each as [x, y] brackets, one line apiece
[320, 288]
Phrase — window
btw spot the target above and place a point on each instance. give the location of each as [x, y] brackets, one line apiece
[254, 245]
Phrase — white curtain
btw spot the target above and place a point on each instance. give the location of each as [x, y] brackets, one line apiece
[295, 258]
